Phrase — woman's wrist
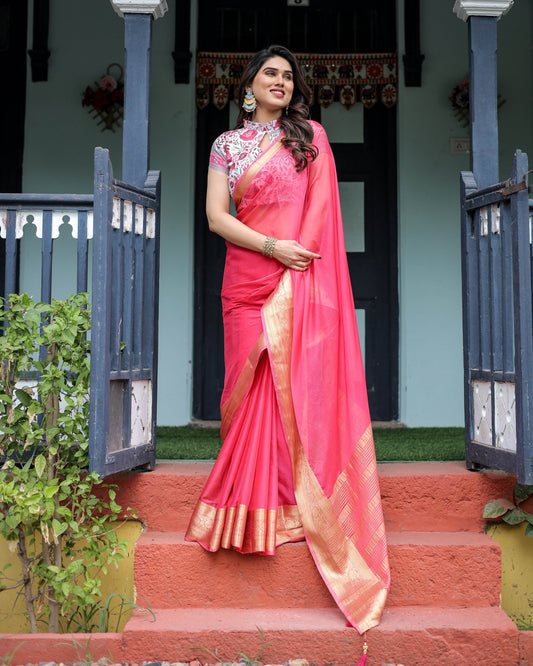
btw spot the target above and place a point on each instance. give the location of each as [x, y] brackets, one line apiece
[268, 246]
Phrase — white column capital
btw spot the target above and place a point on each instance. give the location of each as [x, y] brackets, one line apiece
[492, 8]
[157, 8]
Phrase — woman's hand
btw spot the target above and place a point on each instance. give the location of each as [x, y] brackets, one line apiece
[293, 255]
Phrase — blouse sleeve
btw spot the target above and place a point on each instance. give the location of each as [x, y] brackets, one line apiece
[219, 159]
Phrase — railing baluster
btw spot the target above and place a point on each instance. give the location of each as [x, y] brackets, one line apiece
[507, 289]
[129, 273]
[11, 254]
[83, 252]
[484, 294]
[117, 269]
[138, 305]
[149, 288]
[47, 250]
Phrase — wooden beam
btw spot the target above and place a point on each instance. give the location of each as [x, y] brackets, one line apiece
[412, 60]
[39, 54]
[182, 37]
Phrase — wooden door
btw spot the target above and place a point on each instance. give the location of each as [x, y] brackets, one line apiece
[367, 164]
[13, 45]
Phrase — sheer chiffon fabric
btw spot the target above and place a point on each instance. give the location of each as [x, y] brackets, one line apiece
[297, 459]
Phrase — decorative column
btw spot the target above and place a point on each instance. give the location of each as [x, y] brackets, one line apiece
[482, 16]
[138, 16]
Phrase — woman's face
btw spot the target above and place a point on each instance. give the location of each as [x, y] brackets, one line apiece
[273, 84]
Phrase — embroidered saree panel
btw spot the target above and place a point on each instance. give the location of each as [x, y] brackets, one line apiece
[297, 459]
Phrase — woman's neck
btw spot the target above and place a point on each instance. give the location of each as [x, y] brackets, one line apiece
[263, 116]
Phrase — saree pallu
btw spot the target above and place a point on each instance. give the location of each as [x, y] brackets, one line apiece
[298, 458]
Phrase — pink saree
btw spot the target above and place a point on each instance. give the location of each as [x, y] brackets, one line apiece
[298, 457]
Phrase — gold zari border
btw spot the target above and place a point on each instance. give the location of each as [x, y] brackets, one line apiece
[247, 530]
[358, 591]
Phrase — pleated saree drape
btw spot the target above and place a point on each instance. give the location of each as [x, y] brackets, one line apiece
[297, 459]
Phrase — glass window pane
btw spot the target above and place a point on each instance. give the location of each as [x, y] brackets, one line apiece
[352, 195]
[360, 316]
[343, 125]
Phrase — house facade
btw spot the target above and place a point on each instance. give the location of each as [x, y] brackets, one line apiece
[398, 164]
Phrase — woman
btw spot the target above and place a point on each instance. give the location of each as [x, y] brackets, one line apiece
[297, 460]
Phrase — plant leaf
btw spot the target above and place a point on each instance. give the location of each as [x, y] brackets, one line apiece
[497, 508]
[515, 517]
[40, 464]
[529, 530]
[23, 397]
[58, 527]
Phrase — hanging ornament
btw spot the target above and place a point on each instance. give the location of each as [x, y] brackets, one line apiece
[105, 100]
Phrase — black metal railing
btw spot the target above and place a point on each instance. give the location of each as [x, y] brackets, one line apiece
[119, 223]
[498, 323]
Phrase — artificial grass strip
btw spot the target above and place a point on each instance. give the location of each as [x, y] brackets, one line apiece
[419, 444]
[187, 443]
[392, 444]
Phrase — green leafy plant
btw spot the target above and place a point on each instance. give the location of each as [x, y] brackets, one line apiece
[62, 533]
[240, 656]
[511, 513]
[102, 618]
[523, 624]
[84, 655]
[6, 659]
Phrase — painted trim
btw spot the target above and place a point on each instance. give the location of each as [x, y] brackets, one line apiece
[493, 8]
[157, 8]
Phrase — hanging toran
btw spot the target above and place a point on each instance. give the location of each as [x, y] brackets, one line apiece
[344, 77]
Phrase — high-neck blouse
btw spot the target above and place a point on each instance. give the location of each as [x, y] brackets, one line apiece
[234, 151]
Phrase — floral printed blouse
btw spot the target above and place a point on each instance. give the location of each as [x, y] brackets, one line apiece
[234, 151]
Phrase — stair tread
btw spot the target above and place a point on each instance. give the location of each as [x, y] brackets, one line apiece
[390, 469]
[427, 569]
[465, 538]
[406, 618]
[429, 497]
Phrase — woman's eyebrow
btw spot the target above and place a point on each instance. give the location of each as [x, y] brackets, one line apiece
[276, 69]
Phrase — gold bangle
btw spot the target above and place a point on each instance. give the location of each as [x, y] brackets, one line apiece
[268, 246]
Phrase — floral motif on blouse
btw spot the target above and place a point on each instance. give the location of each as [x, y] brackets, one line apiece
[234, 151]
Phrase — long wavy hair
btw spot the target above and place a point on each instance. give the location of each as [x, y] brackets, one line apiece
[298, 131]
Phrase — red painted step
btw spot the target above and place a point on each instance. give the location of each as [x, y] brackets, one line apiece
[416, 496]
[442, 609]
[410, 636]
[431, 568]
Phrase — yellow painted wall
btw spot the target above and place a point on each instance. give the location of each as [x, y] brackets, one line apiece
[117, 580]
[517, 572]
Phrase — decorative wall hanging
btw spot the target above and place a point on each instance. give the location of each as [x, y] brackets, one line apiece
[346, 78]
[460, 99]
[105, 100]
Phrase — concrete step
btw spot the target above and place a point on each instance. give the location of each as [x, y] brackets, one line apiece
[416, 496]
[409, 636]
[428, 569]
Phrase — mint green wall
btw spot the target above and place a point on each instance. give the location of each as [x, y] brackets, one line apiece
[60, 136]
[431, 390]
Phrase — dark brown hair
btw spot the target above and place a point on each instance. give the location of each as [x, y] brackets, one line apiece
[298, 131]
